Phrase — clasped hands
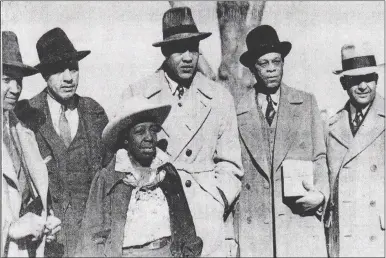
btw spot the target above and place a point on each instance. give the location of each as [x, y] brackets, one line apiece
[311, 200]
[36, 226]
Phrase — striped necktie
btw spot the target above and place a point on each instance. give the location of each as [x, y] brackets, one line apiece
[270, 112]
[357, 121]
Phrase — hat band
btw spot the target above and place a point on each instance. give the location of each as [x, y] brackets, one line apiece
[191, 28]
[358, 62]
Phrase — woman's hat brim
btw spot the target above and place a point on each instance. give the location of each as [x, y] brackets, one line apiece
[25, 70]
[360, 71]
[249, 57]
[157, 114]
[78, 55]
[183, 36]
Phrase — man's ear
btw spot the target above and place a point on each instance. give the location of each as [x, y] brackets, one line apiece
[343, 82]
[376, 78]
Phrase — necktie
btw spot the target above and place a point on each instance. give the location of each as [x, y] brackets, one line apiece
[180, 90]
[270, 112]
[64, 126]
[357, 121]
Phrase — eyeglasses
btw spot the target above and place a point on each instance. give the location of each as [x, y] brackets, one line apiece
[350, 81]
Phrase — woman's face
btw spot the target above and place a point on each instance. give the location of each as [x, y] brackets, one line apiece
[142, 141]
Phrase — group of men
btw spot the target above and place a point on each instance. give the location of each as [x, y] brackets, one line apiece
[230, 158]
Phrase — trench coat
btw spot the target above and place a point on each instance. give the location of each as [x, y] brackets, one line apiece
[103, 225]
[201, 138]
[11, 195]
[355, 216]
[267, 223]
[35, 113]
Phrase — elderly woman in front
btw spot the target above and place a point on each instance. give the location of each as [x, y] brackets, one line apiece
[137, 206]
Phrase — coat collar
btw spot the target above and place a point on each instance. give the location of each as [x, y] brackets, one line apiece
[372, 127]
[202, 92]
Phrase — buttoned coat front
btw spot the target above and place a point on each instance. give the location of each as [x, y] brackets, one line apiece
[355, 217]
[200, 136]
[267, 224]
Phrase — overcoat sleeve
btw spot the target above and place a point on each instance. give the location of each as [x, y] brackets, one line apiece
[228, 169]
[95, 227]
[319, 154]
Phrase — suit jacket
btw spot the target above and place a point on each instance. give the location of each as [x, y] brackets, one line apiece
[33, 163]
[200, 136]
[36, 114]
[299, 135]
[355, 217]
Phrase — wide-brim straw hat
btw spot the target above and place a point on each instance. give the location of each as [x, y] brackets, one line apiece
[135, 110]
[358, 60]
[178, 24]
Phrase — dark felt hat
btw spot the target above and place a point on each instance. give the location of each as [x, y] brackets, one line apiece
[260, 41]
[178, 24]
[12, 61]
[54, 47]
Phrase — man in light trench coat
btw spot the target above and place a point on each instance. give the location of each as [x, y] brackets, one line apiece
[200, 133]
[356, 158]
[278, 123]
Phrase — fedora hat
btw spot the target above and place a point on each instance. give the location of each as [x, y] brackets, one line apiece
[178, 24]
[54, 47]
[135, 109]
[260, 41]
[12, 61]
[358, 60]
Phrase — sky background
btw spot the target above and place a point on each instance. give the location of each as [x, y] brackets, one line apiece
[119, 35]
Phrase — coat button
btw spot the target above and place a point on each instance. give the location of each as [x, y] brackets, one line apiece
[188, 152]
[188, 183]
[247, 186]
[373, 168]
[372, 203]
[249, 220]
[373, 238]
[266, 221]
[179, 104]
[266, 185]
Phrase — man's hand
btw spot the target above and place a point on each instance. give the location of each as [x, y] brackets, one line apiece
[28, 225]
[312, 199]
[52, 227]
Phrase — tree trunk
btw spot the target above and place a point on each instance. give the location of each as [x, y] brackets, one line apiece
[236, 19]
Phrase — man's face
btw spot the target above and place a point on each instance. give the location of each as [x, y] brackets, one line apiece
[362, 89]
[268, 69]
[10, 91]
[182, 58]
[63, 80]
[142, 140]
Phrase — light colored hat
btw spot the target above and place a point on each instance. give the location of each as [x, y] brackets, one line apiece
[358, 60]
[135, 109]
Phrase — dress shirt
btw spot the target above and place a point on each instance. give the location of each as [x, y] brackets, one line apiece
[263, 103]
[148, 214]
[172, 84]
[71, 115]
[353, 112]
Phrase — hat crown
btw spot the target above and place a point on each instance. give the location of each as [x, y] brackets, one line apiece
[178, 20]
[263, 35]
[349, 51]
[54, 43]
[11, 51]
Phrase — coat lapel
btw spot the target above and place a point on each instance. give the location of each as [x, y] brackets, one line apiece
[250, 128]
[182, 124]
[372, 127]
[340, 128]
[287, 123]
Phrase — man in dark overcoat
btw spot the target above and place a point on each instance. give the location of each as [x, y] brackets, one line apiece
[68, 130]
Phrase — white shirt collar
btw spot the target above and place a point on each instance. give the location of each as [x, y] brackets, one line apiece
[353, 111]
[262, 100]
[123, 162]
[172, 84]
